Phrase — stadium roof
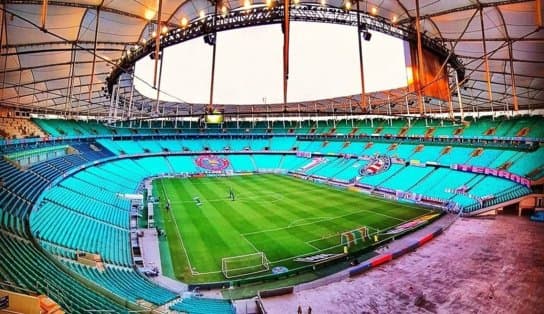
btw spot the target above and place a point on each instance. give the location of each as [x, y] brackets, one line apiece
[49, 63]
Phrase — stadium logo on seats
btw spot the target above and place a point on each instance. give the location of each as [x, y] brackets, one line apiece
[212, 162]
[376, 164]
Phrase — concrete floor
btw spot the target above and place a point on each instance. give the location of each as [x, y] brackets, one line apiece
[491, 265]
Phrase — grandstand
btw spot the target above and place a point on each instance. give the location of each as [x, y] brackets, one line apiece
[115, 200]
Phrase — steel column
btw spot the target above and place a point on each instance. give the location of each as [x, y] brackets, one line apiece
[513, 76]
[157, 43]
[94, 48]
[419, 60]
[361, 65]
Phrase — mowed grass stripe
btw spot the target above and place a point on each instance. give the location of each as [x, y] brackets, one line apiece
[213, 232]
[265, 215]
[297, 208]
[279, 215]
[302, 206]
[188, 221]
[276, 247]
[313, 204]
[177, 256]
[228, 221]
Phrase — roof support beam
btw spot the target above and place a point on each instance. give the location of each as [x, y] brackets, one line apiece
[70, 86]
[158, 33]
[3, 28]
[475, 6]
[75, 5]
[504, 73]
[420, 60]
[361, 65]
[500, 83]
[72, 48]
[513, 76]
[286, 30]
[94, 48]
[486, 62]
[538, 13]
[491, 39]
[38, 92]
[44, 13]
[211, 41]
[502, 59]
[41, 66]
[67, 43]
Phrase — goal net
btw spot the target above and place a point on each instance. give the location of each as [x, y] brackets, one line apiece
[243, 265]
[354, 236]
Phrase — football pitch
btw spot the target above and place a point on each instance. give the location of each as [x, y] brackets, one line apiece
[280, 216]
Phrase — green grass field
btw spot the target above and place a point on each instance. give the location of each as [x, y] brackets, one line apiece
[283, 217]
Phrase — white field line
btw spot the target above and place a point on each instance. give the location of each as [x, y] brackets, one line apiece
[278, 197]
[291, 225]
[294, 222]
[384, 215]
[310, 244]
[177, 230]
[252, 196]
[307, 223]
[250, 243]
[373, 230]
[318, 250]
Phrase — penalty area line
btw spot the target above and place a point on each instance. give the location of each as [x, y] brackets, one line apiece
[250, 243]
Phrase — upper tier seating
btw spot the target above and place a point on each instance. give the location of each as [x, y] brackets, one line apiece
[12, 128]
[489, 157]
[60, 128]
[521, 126]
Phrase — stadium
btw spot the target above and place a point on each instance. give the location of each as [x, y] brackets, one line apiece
[163, 156]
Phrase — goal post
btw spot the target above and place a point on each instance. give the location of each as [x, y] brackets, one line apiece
[243, 265]
[353, 237]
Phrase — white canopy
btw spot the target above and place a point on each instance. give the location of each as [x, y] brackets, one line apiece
[47, 64]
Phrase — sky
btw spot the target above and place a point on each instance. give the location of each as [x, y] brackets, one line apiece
[324, 63]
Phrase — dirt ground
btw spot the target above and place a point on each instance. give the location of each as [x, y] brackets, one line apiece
[479, 265]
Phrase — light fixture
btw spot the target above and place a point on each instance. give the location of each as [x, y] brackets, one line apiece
[323, 2]
[374, 10]
[395, 18]
[224, 10]
[367, 35]
[202, 14]
[149, 14]
[347, 5]
[268, 3]
[296, 2]
[154, 34]
[143, 41]
[164, 29]
[184, 22]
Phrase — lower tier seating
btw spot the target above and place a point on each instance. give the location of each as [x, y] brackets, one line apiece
[25, 268]
[125, 282]
[196, 305]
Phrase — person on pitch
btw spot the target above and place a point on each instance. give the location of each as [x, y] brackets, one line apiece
[231, 194]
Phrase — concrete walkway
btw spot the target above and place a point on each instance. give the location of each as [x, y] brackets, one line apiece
[151, 255]
[390, 247]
